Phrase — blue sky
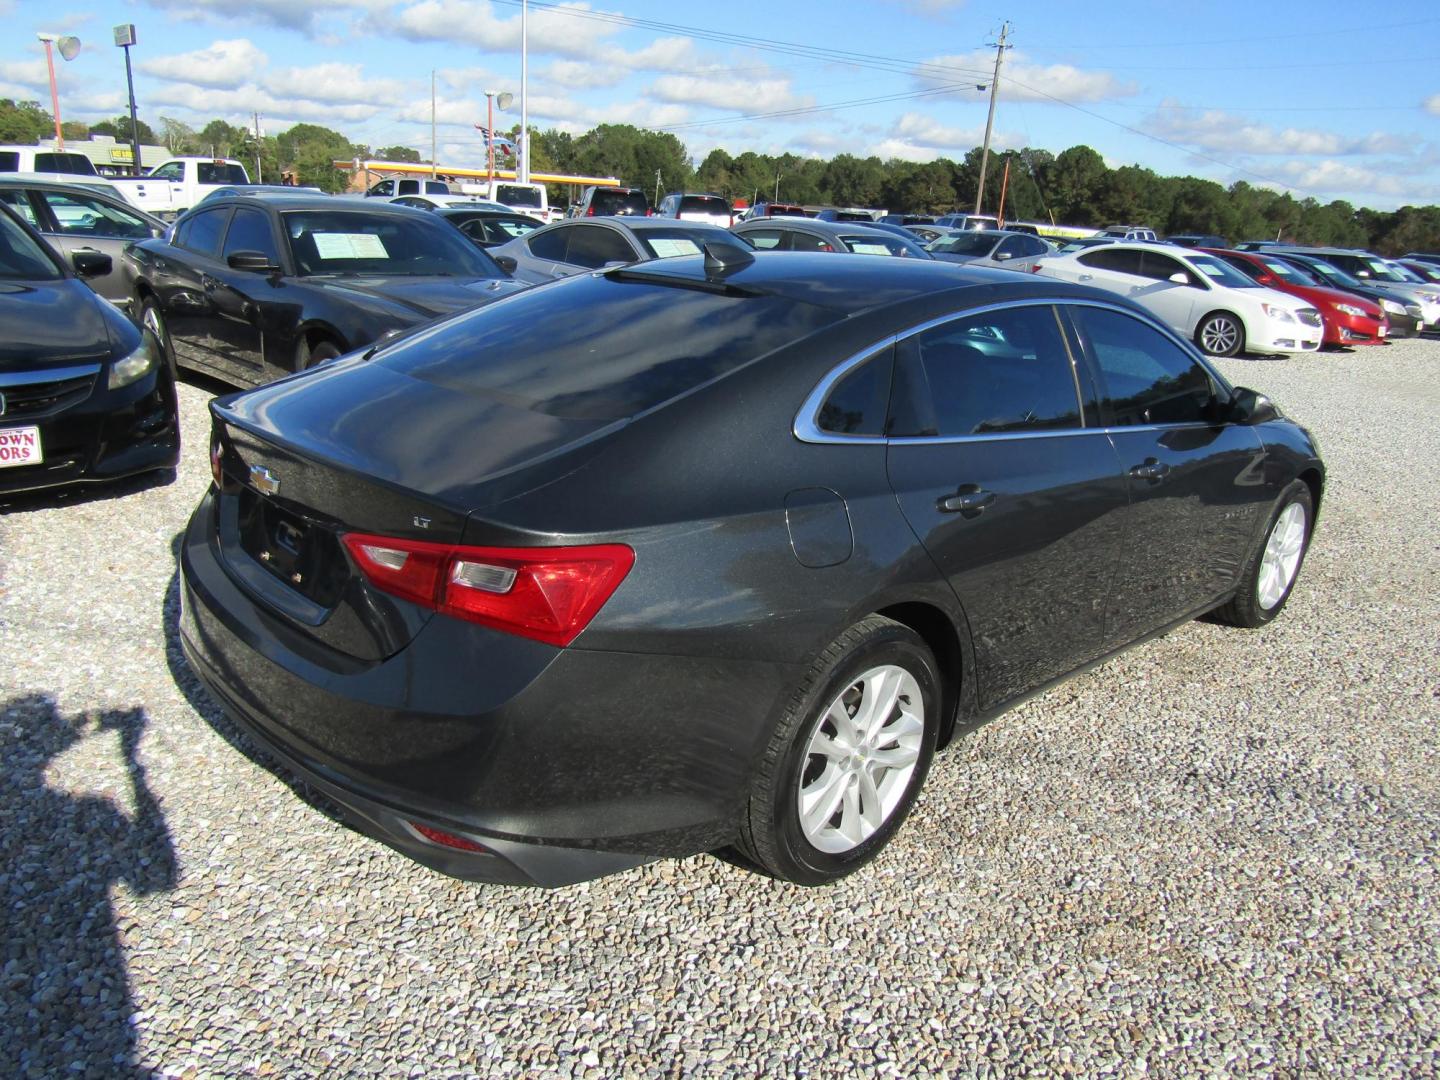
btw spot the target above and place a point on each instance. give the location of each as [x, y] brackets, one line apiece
[1328, 99]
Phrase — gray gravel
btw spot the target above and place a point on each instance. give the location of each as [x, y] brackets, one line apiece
[1212, 856]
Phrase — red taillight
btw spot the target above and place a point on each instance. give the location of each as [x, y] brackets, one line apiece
[445, 839]
[549, 594]
[590, 211]
[1035, 268]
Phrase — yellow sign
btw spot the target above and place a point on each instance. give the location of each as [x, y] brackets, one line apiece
[122, 153]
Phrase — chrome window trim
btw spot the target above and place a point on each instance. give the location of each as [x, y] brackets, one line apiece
[806, 427]
[46, 375]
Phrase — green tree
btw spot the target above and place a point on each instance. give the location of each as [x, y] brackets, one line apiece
[397, 153]
[119, 130]
[24, 121]
[634, 156]
[1076, 181]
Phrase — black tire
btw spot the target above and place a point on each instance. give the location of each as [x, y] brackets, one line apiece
[151, 319]
[1246, 608]
[310, 355]
[1220, 334]
[772, 838]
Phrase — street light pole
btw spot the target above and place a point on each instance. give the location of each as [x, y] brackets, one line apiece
[990, 120]
[125, 37]
[524, 163]
[69, 49]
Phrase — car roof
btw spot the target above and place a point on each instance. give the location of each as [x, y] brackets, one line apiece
[855, 284]
[641, 224]
[303, 201]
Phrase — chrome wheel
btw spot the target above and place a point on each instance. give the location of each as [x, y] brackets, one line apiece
[860, 758]
[150, 319]
[1220, 336]
[1282, 556]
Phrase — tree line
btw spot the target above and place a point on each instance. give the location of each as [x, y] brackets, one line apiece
[1073, 187]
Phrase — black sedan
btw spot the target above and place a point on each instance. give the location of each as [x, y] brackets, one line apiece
[249, 288]
[572, 247]
[716, 551]
[488, 228]
[84, 394]
[811, 234]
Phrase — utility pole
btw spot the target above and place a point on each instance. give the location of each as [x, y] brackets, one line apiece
[1000, 48]
[259, 176]
[657, 188]
[522, 162]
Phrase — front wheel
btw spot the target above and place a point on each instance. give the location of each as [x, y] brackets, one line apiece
[847, 758]
[1269, 574]
[152, 320]
[1221, 334]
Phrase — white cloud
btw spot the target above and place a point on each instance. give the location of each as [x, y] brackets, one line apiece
[584, 74]
[30, 73]
[332, 82]
[917, 137]
[239, 104]
[733, 95]
[1432, 104]
[1021, 81]
[307, 16]
[224, 65]
[1333, 177]
[1226, 133]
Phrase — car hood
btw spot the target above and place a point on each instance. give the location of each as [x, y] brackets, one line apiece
[53, 323]
[425, 296]
[1328, 295]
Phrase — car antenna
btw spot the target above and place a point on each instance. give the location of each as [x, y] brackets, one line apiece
[722, 259]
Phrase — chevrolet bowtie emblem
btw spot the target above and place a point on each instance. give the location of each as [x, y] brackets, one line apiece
[263, 480]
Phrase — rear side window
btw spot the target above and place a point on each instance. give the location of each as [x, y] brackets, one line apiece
[704, 204]
[1145, 377]
[9, 161]
[220, 172]
[858, 402]
[75, 164]
[201, 232]
[550, 245]
[592, 246]
[1120, 260]
[998, 372]
[801, 241]
[17, 200]
[596, 364]
[250, 231]
[765, 239]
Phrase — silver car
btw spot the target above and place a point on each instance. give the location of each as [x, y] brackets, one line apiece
[992, 247]
[582, 244]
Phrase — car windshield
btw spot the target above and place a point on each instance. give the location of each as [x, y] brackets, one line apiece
[1291, 275]
[514, 225]
[20, 256]
[671, 243]
[1334, 274]
[596, 348]
[1405, 274]
[1222, 273]
[877, 245]
[517, 195]
[389, 245]
[1380, 272]
[968, 243]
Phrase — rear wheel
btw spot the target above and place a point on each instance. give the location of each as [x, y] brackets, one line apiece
[847, 758]
[1221, 334]
[1269, 574]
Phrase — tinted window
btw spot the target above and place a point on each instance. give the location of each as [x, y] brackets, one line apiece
[219, 172]
[977, 244]
[606, 201]
[200, 232]
[77, 164]
[519, 195]
[1247, 268]
[592, 246]
[1014, 247]
[250, 231]
[765, 239]
[20, 256]
[1161, 267]
[18, 201]
[1003, 371]
[384, 187]
[9, 161]
[436, 187]
[800, 241]
[173, 170]
[857, 404]
[704, 204]
[85, 215]
[1146, 377]
[623, 346]
[1119, 260]
[876, 245]
[366, 242]
[551, 245]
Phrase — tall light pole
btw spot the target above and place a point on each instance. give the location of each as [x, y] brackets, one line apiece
[523, 173]
[124, 38]
[990, 120]
[69, 48]
[505, 99]
[432, 124]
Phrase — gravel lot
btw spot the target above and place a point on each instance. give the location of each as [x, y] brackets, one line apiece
[1214, 855]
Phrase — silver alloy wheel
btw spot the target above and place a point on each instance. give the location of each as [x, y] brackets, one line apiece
[1282, 556]
[860, 759]
[150, 319]
[1220, 336]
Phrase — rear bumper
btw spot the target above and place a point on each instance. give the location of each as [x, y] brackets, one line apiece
[565, 764]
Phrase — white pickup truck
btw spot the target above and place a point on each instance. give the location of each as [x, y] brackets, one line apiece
[529, 199]
[177, 185]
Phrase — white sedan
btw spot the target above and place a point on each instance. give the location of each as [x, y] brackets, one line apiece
[436, 202]
[1198, 295]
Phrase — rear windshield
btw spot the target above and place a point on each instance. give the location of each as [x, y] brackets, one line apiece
[786, 211]
[605, 202]
[876, 245]
[75, 164]
[977, 244]
[20, 256]
[704, 204]
[621, 348]
[219, 172]
[671, 243]
[517, 195]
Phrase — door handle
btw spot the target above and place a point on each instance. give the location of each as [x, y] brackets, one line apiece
[968, 500]
[1152, 470]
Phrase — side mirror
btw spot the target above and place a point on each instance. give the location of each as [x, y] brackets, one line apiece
[254, 262]
[1001, 256]
[508, 263]
[1250, 407]
[1180, 278]
[90, 264]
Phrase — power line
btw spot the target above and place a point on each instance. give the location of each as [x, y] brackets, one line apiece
[1268, 39]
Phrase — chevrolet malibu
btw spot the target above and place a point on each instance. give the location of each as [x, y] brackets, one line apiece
[715, 552]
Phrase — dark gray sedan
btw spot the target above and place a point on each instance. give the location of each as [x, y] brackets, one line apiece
[992, 247]
[581, 244]
[74, 217]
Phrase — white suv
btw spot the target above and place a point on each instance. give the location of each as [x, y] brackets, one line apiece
[1198, 295]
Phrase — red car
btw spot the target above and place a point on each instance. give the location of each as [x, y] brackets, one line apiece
[1349, 319]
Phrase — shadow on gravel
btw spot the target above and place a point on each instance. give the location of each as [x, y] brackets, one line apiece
[65, 1006]
[77, 494]
[209, 710]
